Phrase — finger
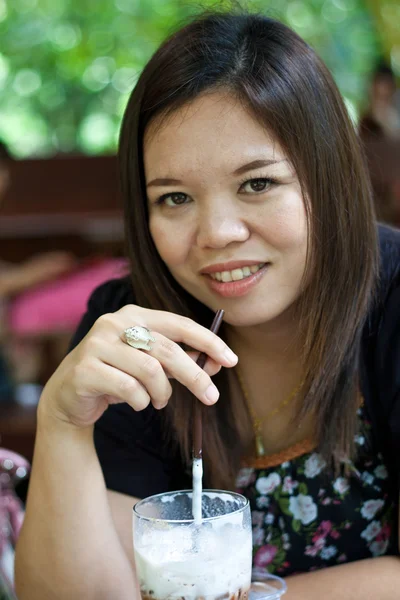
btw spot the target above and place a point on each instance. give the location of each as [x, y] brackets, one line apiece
[183, 368]
[95, 378]
[211, 367]
[142, 366]
[179, 329]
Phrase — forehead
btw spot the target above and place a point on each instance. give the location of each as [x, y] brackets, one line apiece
[212, 131]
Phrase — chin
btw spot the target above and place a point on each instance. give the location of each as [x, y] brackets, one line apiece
[244, 311]
[252, 314]
[250, 319]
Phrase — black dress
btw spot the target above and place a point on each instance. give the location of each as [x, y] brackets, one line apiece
[301, 520]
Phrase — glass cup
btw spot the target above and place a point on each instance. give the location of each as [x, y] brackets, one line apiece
[267, 587]
[178, 558]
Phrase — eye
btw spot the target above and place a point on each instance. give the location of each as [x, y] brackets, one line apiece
[257, 186]
[174, 199]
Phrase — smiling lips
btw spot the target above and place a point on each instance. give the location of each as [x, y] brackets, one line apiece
[234, 278]
[236, 274]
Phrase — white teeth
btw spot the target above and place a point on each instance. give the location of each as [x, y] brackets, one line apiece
[226, 276]
[236, 274]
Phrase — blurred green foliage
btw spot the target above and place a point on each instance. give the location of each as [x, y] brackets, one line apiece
[67, 66]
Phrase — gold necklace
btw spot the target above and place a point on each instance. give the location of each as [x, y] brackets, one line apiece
[257, 422]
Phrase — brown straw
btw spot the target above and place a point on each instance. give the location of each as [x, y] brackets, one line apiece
[197, 406]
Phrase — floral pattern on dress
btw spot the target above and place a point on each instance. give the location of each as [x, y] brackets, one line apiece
[304, 519]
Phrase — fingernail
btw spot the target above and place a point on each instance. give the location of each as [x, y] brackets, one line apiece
[212, 394]
[231, 356]
[161, 406]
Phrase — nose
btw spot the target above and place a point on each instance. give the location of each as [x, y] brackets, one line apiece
[220, 224]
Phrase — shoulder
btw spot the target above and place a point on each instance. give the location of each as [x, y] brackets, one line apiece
[388, 306]
[383, 303]
[383, 322]
[386, 310]
[389, 246]
[380, 349]
[107, 298]
[111, 296]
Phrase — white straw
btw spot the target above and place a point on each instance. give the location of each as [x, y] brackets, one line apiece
[197, 473]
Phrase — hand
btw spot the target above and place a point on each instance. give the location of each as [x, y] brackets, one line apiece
[103, 369]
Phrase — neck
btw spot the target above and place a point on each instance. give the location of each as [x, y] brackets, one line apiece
[268, 375]
[272, 341]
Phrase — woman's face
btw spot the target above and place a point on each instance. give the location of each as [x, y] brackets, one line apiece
[226, 211]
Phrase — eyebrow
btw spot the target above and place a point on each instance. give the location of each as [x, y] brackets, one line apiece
[254, 164]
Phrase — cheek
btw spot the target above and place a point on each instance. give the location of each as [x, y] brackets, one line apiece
[170, 242]
[286, 223]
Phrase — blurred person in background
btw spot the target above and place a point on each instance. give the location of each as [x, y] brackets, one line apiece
[16, 278]
[382, 117]
[42, 301]
[379, 130]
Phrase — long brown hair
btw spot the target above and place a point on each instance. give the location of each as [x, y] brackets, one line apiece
[288, 89]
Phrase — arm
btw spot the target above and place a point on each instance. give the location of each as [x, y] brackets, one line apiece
[38, 269]
[361, 580]
[69, 546]
[121, 506]
[12, 281]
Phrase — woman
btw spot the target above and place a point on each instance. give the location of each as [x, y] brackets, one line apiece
[245, 190]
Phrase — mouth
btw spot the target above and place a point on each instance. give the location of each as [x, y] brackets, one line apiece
[236, 274]
[237, 282]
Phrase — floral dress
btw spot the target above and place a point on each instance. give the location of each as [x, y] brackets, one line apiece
[305, 519]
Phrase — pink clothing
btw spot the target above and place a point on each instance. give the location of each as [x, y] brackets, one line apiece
[13, 468]
[59, 305]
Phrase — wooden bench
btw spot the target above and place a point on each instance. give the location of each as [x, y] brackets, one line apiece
[69, 203]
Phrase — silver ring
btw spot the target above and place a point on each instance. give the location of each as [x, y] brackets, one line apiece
[139, 337]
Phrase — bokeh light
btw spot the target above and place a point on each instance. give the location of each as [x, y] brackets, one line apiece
[66, 70]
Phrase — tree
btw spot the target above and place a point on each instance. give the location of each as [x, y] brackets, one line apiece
[67, 66]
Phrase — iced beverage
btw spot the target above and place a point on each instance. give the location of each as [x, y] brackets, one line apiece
[177, 558]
